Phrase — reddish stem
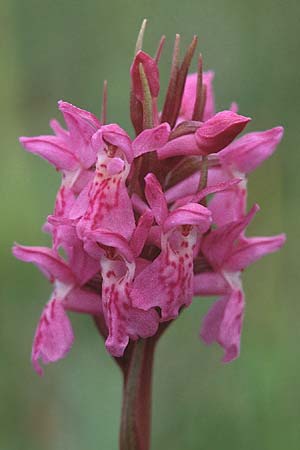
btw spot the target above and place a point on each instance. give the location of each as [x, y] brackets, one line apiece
[137, 390]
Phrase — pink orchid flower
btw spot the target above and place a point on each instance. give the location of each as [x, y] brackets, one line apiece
[228, 252]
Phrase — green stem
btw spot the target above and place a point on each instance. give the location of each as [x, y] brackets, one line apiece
[136, 410]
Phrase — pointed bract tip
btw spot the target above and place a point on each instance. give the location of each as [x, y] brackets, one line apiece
[140, 38]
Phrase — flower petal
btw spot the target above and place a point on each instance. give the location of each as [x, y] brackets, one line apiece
[218, 245]
[252, 249]
[156, 198]
[110, 239]
[223, 324]
[141, 232]
[251, 150]
[151, 139]
[54, 336]
[52, 149]
[189, 214]
[83, 301]
[210, 283]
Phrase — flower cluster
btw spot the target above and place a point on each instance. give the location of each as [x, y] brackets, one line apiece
[147, 223]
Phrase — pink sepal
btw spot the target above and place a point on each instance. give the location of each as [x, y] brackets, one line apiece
[52, 149]
[252, 249]
[47, 260]
[251, 150]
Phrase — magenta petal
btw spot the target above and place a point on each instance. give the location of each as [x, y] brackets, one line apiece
[189, 214]
[141, 233]
[52, 266]
[54, 336]
[83, 301]
[81, 125]
[109, 205]
[52, 149]
[110, 239]
[142, 324]
[251, 150]
[156, 198]
[212, 322]
[218, 245]
[84, 115]
[81, 203]
[210, 283]
[83, 265]
[217, 132]
[252, 249]
[228, 206]
[151, 139]
[216, 188]
[151, 72]
[138, 204]
[115, 135]
[181, 146]
[58, 129]
[223, 324]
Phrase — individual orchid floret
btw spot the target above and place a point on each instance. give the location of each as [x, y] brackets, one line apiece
[123, 319]
[210, 136]
[172, 271]
[54, 336]
[228, 252]
[108, 203]
[237, 160]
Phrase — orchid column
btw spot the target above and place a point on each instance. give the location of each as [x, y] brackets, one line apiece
[147, 223]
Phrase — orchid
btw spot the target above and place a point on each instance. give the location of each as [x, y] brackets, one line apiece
[147, 223]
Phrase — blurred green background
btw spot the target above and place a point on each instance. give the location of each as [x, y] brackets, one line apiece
[65, 49]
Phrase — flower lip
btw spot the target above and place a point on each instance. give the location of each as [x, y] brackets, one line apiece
[113, 135]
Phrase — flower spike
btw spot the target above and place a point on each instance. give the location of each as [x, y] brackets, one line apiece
[145, 224]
